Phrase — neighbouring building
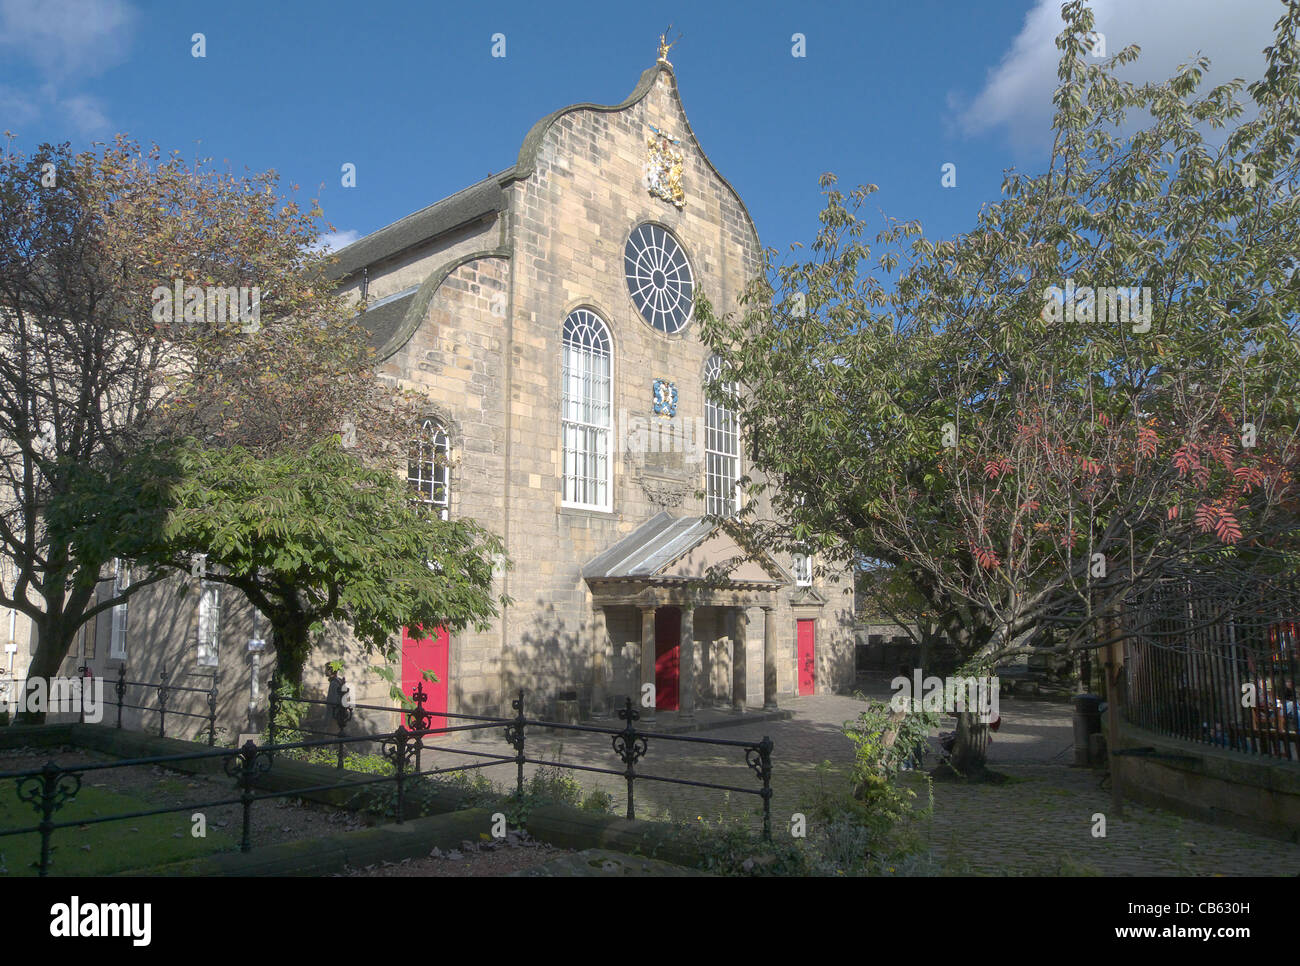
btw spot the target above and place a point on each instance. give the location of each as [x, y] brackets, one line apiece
[547, 314]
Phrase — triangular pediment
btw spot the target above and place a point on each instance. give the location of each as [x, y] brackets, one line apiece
[718, 549]
[682, 548]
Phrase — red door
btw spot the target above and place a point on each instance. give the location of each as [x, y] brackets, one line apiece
[426, 654]
[807, 657]
[668, 642]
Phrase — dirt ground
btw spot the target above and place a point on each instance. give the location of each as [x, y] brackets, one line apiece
[515, 853]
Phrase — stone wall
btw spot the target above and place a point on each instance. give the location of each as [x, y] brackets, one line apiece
[1211, 784]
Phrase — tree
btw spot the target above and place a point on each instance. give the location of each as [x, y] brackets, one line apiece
[100, 360]
[311, 536]
[1092, 387]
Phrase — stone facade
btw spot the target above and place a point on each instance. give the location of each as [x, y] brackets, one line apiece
[467, 300]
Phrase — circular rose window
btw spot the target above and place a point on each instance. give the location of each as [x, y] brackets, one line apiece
[659, 278]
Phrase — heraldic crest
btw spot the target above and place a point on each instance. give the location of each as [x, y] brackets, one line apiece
[663, 167]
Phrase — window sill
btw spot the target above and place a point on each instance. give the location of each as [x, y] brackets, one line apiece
[586, 511]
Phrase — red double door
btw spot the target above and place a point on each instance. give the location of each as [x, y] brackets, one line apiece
[420, 654]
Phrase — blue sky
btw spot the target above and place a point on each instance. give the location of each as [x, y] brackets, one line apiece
[409, 92]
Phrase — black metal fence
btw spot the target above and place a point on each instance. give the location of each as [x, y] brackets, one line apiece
[163, 691]
[49, 788]
[1216, 661]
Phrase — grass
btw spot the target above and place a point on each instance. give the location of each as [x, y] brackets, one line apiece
[119, 846]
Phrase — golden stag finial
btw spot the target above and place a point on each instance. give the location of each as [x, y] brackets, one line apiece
[665, 45]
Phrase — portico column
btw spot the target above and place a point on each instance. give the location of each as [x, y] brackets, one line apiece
[739, 645]
[769, 658]
[599, 665]
[686, 666]
[647, 664]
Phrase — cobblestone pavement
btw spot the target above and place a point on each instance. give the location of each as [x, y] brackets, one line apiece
[1040, 822]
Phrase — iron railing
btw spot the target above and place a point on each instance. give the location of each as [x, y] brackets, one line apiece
[164, 690]
[50, 787]
[1217, 662]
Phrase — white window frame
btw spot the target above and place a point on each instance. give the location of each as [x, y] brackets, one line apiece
[803, 569]
[209, 624]
[428, 471]
[120, 614]
[586, 413]
[721, 446]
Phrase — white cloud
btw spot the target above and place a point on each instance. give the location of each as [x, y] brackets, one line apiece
[17, 107]
[85, 113]
[332, 241]
[1017, 94]
[67, 38]
[66, 42]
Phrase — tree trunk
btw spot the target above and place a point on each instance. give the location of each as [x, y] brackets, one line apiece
[293, 645]
[51, 649]
[970, 751]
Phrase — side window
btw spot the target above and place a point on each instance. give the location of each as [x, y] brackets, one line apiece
[721, 449]
[117, 639]
[803, 570]
[209, 624]
[427, 470]
[586, 411]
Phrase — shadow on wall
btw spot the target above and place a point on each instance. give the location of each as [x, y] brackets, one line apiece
[839, 660]
[552, 656]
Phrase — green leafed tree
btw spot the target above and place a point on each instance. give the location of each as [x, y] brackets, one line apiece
[314, 535]
[118, 336]
[1090, 389]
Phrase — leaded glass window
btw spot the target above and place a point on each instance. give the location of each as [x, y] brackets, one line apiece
[721, 448]
[427, 468]
[209, 624]
[659, 278]
[117, 639]
[586, 375]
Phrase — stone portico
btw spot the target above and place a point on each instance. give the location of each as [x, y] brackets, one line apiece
[669, 569]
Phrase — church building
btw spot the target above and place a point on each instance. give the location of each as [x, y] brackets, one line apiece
[547, 315]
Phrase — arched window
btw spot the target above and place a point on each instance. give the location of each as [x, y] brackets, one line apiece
[427, 468]
[586, 375]
[721, 448]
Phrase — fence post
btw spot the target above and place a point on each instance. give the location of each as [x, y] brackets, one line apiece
[759, 758]
[162, 703]
[629, 746]
[246, 765]
[81, 709]
[53, 786]
[515, 736]
[121, 691]
[396, 750]
[342, 715]
[273, 705]
[212, 710]
[419, 721]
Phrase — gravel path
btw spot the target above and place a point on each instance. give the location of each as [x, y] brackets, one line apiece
[514, 854]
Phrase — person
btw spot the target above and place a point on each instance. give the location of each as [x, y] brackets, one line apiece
[336, 696]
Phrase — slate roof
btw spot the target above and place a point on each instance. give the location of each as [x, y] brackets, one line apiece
[655, 544]
[383, 320]
[462, 208]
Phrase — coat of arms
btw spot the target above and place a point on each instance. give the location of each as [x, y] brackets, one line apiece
[665, 398]
[663, 167]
